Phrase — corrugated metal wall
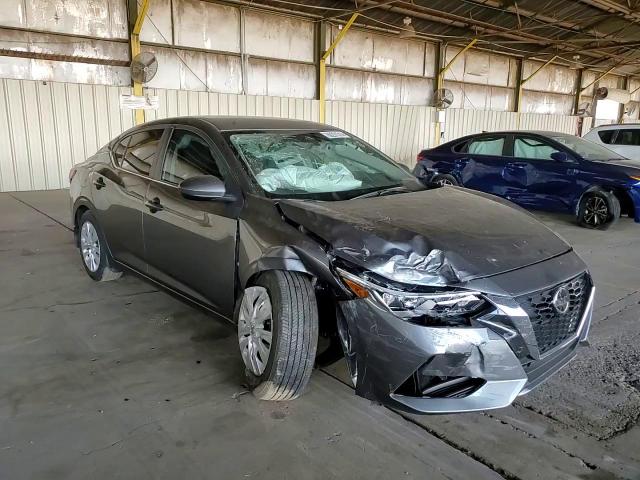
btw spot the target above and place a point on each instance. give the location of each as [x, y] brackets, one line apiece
[45, 128]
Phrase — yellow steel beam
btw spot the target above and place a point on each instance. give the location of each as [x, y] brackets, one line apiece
[323, 64]
[453, 60]
[525, 80]
[600, 77]
[440, 78]
[537, 70]
[135, 50]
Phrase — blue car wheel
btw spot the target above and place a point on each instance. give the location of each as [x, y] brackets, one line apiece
[444, 180]
[598, 210]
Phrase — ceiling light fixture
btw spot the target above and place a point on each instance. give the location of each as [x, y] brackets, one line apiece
[408, 31]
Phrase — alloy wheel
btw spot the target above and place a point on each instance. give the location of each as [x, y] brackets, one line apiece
[596, 211]
[444, 181]
[90, 246]
[255, 329]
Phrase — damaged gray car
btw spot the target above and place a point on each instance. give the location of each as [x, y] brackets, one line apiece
[441, 299]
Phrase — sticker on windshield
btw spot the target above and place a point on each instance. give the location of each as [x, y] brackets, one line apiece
[334, 134]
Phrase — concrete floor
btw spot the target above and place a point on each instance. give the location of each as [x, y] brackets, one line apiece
[120, 380]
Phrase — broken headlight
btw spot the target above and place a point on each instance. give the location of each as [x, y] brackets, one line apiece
[437, 308]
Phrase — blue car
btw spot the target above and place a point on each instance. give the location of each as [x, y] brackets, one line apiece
[540, 170]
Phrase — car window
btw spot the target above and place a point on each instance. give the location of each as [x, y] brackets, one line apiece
[142, 151]
[525, 147]
[324, 165]
[188, 155]
[486, 146]
[606, 136]
[627, 137]
[586, 149]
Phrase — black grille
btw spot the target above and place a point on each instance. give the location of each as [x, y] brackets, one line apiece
[550, 326]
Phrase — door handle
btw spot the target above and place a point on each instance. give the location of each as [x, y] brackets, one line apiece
[154, 205]
[572, 171]
[99, 183]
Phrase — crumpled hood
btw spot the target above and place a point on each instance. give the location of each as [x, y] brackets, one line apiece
[432, 237]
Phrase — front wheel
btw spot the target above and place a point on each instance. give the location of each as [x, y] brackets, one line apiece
[598, 210]
[277, 320]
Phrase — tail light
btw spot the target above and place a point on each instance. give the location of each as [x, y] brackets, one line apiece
[72, 173]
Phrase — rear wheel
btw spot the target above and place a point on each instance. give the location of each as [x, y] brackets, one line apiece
[444, 179]
[277, 320]
[598, 210]
[93, 249]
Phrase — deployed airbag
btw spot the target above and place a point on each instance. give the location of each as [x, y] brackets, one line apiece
[332, 177]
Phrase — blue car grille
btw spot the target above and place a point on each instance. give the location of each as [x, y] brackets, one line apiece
[550, 327]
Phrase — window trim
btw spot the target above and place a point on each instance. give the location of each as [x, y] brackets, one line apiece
[162, 145]
[612, 139]
[549, 141]
[618, 133]
[229, 178]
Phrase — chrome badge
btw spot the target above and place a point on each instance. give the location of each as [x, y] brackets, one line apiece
[561, 300]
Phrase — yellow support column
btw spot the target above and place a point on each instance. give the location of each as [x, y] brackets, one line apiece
[323, 65]
[440, 78]
[135, 50]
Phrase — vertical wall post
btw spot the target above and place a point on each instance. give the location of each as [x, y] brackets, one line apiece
[518, 92]
[576, 98]
[135, 48]
[625, 86]
[442, 69]
[322, 66]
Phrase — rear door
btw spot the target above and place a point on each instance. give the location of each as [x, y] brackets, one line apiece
[480, 162]
[536, 180]
[190, 244]
[118, 194]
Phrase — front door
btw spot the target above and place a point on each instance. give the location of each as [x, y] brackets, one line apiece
[118, 194]
[191, 245]
[543, 182]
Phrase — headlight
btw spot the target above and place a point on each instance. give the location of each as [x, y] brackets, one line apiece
[440, 308]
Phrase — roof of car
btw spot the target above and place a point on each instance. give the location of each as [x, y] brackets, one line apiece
[615, 126]
[230, 123]
[546, 133]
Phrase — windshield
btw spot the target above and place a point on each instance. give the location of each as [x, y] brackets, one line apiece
[586, 149]
[322, 165]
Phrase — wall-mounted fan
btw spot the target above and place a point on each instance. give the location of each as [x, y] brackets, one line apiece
[443, 98]
[144, 67]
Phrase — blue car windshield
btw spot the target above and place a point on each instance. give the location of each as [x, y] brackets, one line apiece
[321, 165]
[586, 149]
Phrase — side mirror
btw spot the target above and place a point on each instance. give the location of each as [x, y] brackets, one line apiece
[560, 157]
[203, 187]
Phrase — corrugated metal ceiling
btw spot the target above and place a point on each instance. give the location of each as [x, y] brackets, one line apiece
[583, 33]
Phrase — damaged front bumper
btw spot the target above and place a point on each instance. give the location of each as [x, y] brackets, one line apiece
[423, 369]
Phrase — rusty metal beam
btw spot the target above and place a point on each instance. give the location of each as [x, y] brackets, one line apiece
[6, 52]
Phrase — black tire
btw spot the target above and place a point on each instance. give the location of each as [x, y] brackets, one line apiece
[106, 269]
[444, 179]
[294, 328]
[598, 210]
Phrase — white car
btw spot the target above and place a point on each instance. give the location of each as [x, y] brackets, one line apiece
[623, 139]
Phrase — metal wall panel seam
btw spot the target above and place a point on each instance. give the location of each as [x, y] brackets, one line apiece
[12, 149]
